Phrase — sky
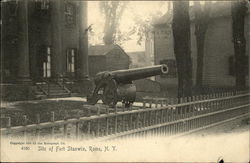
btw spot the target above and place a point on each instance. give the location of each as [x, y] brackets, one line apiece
[141, 8]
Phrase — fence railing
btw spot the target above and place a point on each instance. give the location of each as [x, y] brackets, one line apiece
[46, 90]
[152, 117]
[62, 84]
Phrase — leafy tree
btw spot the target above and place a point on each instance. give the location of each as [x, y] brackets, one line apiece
[182, 44]
[112, 11]
[201, 25]
[143, 26]
[239, 10]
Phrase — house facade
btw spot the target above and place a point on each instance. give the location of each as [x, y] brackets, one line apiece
[43, 40]
[140, 59]
[218, 50]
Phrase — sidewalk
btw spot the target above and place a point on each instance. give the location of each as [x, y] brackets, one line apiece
[235, 126]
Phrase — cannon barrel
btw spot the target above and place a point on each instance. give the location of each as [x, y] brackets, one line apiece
[126, 76]
[123, 76]
[118, 85]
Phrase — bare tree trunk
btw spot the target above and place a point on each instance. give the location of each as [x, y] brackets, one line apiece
[239, 10]
[201, 25]
[182, 43]
[110, 23]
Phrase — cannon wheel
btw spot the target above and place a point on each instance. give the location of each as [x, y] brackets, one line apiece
[109, 96]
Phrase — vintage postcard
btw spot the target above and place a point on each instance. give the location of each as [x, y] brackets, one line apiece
[125, 81]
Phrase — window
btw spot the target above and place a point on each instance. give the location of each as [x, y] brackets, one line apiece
[171, 63]
[42, 10]
[71, 58]
[12, 7]
[232, 65]
[70, 14]
[42, 4]
[47, 62]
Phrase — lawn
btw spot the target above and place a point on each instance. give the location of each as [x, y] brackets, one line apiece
[63, 108]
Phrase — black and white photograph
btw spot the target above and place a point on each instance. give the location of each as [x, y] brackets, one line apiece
[125, 81]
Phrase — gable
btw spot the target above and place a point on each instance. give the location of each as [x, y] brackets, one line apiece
[117, 53]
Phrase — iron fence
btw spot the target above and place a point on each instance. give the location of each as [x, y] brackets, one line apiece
[150, 118]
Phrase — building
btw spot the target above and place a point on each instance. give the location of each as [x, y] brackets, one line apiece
[43, 40]
[107, 58]
[219, 48]
[140, 59]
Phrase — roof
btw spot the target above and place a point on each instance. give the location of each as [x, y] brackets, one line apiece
[98, 50]
[218, 9]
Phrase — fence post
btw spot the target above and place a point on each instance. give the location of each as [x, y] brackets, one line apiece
[190, 106]
[144, 104]
[204, 98]
[89, 112]
[77, 126]
[156, 103]
[88, 129]
[225, 101]
[88, 123]
[130, 121]
[137, 120]
[116, 118]
[8, 125]
[24, 124]
[197, 105]
[185, 107]
[231, 99]
[38, 129]
[52, 119]
[144, 118]
[150, 118]
[98, 122]
[166, 117]
[123, 107]
[162, 116]
[201, 104]
[221, 101]
[65, 132]
[172, 110]
[179, 109]
[228, 101]
[162, 103]
[212, 103]
[150, 103]
[167, 102]
[217, 102]
[107, 121]
[192, 110]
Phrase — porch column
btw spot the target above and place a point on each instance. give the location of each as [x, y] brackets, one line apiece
[84, 82]
[56, 49]
[83, 42]
[23, 74]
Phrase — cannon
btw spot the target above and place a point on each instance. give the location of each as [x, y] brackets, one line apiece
[114, 86]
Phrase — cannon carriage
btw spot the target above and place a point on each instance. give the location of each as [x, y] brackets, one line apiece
[114, 86]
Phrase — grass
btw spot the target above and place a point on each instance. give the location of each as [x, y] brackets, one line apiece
[63, 109]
